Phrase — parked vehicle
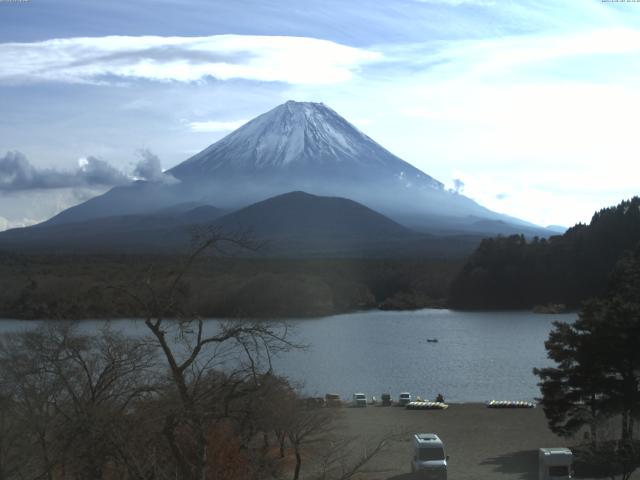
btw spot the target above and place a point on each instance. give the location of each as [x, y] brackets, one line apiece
[428, 457]
[554, 463]
[386, 399]
[332, 400]
[314, 402]
[359, 400]
[404, 399]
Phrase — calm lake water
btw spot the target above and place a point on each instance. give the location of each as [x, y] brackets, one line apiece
[479, 356]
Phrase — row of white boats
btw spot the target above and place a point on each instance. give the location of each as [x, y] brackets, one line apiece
[405, 399]
[510, 404]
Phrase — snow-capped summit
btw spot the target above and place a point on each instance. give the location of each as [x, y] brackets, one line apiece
[301, 138]
[300, 146]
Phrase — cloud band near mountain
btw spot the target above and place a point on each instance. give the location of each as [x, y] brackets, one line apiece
[18, 173]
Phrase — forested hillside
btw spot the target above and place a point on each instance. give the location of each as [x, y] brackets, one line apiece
[511, 272]
[55, 286]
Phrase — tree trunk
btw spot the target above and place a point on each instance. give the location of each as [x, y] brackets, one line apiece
[281, 439]
[593, 425]
[296, 473]
[593, 430]
[45, 454]
[169, 433]
[201, 460]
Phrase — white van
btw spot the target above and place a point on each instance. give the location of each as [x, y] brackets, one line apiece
[428, 457]
[404, 398]
[359, 400]
[554, 463]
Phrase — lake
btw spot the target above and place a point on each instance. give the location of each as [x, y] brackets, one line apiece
[479, 356]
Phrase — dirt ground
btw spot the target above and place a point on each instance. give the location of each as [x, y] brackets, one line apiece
[482, 443]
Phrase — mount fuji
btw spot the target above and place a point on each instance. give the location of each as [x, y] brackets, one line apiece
[303, 146]
[303, 143]
[295, 147]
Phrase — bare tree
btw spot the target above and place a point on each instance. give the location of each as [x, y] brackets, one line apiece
[10, 436]
[345, 457]
[33, 393]
[307, 426]
[315, 430]
[72, 395]
[210, 365]
[188, 401]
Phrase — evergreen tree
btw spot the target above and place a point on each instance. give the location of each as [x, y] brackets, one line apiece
[598, 360]
[511, 272]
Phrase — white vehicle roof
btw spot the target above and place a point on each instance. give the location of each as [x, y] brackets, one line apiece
[427, 440]
[555, 451]
[359, 395]
[555, 456]
[403, 394]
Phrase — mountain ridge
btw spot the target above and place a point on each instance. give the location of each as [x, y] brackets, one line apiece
[294, 224]
[298, 212]
[309, 147]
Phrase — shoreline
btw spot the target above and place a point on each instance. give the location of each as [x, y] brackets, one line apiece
[294, 317]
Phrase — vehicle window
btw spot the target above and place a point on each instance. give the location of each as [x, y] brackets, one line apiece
[428, 454]
[559, 471]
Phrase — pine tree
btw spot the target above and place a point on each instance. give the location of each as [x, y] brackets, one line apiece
[598, 360]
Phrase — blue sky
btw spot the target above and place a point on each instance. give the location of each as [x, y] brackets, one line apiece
[530, 104]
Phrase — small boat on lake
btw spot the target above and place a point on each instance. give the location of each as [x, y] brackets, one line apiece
[432, 340]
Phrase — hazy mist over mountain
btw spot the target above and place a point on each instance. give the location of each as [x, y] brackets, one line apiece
[307, 147]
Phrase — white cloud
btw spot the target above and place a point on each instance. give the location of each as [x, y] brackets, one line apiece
[361, 122]
[560, 196]
[457, 3]
[18, 173]
[24, 208]
[24, 222]
[546, 120]
[538, 52]
[149, 167]
[416, 112]
[293, 60]
[216, 126]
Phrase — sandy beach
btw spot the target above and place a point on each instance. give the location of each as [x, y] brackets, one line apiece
[482, 443]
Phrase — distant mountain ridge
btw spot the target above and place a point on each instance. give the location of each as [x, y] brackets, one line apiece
[294, 224]
[299, 214]
[304, 146]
